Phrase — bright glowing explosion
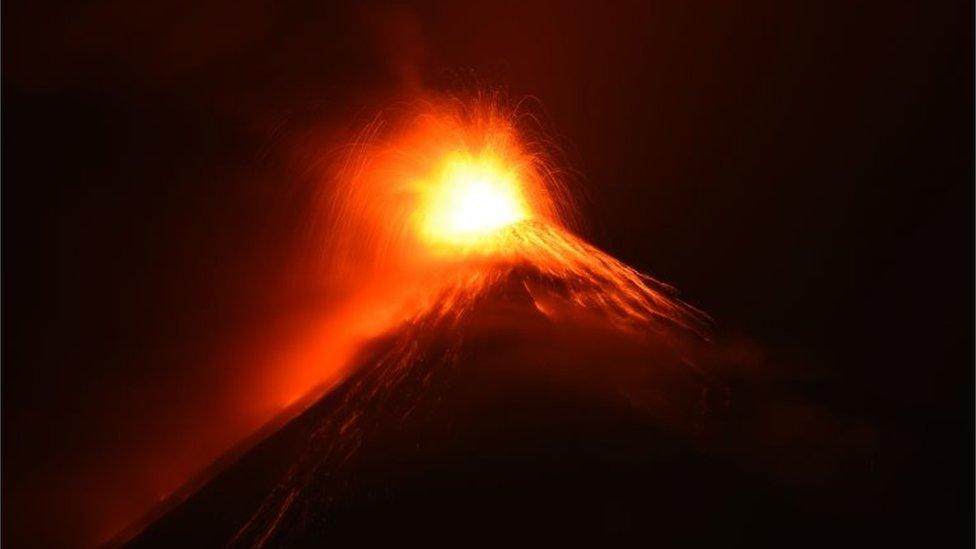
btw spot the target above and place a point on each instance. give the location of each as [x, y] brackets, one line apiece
[447, 199]
[471, 199]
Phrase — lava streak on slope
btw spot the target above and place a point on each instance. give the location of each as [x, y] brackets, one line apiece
[444, 198]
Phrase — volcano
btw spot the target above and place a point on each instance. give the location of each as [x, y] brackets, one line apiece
[506, 425]
[286, 274]
[527, 385]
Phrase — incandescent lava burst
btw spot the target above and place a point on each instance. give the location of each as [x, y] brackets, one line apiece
[447, 198]
[434, 214]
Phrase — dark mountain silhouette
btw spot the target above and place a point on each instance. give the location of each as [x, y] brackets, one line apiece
[505, 427]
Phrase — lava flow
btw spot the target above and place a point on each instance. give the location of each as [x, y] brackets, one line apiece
[450, 197]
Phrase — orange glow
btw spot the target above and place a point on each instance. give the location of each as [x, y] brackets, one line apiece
[445, 200]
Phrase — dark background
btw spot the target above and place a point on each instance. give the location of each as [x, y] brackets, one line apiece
[801, 171]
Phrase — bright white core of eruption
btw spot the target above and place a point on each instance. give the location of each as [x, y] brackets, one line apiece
[471, 199]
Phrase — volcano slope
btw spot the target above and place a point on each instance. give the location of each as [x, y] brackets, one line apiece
[507, 427]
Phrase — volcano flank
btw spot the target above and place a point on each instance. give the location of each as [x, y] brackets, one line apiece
[505, 423]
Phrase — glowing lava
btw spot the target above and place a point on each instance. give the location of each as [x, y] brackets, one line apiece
[472, 199]
[447, 199]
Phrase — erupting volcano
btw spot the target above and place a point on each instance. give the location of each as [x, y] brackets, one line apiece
[449, 197]
[450, 229]
[439, 273]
